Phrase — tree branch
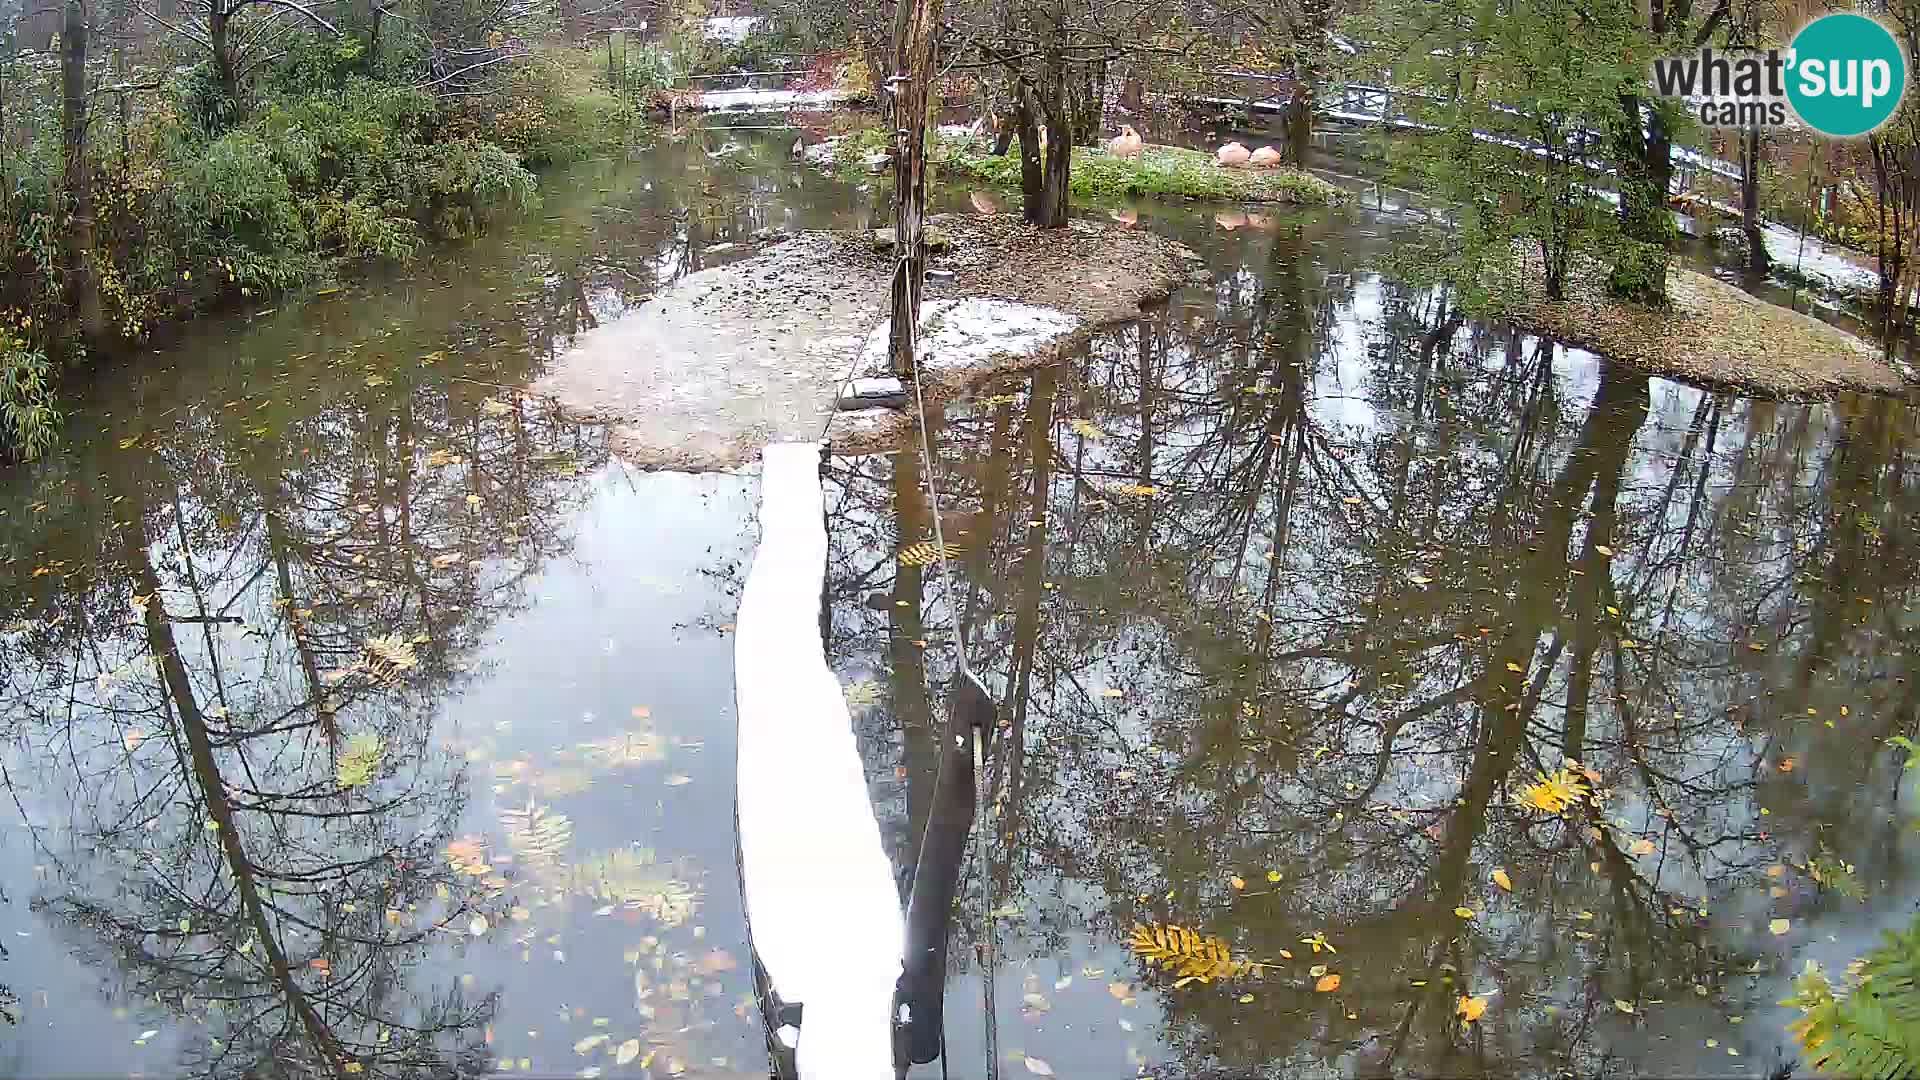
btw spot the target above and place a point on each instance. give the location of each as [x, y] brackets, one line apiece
[290, 5]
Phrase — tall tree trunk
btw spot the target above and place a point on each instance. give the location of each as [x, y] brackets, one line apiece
[1310, 39]
[224, 74]
[1026, 123]
[1054, 181]
[913, 72]
[1750, 200]
[1088, 103]
[83, 290]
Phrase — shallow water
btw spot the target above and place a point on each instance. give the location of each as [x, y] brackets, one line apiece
[1286, 594]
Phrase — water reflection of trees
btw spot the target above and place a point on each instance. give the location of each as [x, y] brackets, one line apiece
[1383, 579]
[221, 723]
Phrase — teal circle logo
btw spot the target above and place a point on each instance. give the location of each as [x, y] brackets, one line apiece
[1845, 75]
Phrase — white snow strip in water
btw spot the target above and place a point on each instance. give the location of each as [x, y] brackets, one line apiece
[821, 906]
[771, 100]
[960, 333]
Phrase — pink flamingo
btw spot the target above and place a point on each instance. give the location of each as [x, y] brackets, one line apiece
[1231, 155]
[1127, 144]
[1265, 158]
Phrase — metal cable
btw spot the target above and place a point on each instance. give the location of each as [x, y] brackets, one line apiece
[982, 865]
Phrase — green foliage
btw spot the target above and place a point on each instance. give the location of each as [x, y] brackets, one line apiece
[204, 104]
[637, 70]
[209, 197]
[1498, 77]
[317, 65]
[1901, 742]
[28, 418]
[553, 108]
[1870, 1025]
[237, 210]
[466, 181]
[1639, 270]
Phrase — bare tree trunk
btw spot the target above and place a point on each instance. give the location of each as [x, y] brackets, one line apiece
[1907, 292]
[83, 291]
[913, 75]
[217, 38]
[1297, 122]
[1750, 200]
[1089, 103]
[1310, 38]
[1026, 123]
[1054, 194]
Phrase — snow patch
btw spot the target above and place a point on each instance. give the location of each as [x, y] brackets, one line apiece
[962, 333]
[1818, 262]
[771, 100]
[731, 29]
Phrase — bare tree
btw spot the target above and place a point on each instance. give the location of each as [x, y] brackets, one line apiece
[238, 36]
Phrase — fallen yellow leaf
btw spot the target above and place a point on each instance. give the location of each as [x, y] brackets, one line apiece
[1623, 1005]
[1642, 846]
[1464, 912]
[1501, 879]
[1238, 883]
[1779, 926]
[1472, 1008]
[587, 1044]
[1328, 983]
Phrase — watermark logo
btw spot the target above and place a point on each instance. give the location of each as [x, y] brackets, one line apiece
[1843, 75]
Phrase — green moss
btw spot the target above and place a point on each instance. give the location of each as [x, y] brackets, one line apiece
[1168, 172]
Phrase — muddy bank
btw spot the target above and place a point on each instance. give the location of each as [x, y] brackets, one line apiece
[1712, 334]
[727, 360]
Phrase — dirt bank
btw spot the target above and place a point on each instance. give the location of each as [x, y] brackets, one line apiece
[726, 360]
[1715, 335]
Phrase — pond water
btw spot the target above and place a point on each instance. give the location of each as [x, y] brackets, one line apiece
[364, 717]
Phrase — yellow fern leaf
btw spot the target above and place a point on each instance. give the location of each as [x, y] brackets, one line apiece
[926, 553]
[1185, 953]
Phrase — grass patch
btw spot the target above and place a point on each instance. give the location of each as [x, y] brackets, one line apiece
[1167, 172]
